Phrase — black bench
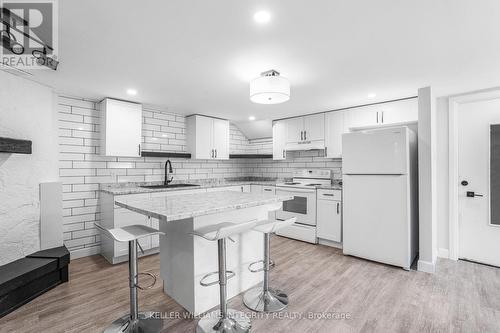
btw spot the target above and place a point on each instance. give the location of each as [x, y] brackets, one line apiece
[27, 278]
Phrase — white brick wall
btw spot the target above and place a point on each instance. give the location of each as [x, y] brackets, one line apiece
[82, 169]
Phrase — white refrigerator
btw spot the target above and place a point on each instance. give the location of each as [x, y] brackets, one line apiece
[380, 195]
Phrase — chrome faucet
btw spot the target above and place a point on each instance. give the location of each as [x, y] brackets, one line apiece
[167, 171]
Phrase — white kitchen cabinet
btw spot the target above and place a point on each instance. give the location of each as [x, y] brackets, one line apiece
[403, 111]
[335, 127]
[306, 128]
[399, 112]
[279, 140]
[121, 128]
[294, 129]
[314, 127]
[207, 138]
[113, 216]
[221, 139]
[329, 215]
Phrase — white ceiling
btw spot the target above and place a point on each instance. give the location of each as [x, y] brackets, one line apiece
[198, 56]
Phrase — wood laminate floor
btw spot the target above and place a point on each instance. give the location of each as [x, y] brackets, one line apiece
[321, 281]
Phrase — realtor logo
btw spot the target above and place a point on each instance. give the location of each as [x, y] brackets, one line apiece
[28, 31]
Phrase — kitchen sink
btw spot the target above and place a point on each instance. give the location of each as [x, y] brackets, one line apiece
[169, 186]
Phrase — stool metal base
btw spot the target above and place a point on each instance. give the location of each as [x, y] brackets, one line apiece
[236, 322]
[272, 300]
[147, 322]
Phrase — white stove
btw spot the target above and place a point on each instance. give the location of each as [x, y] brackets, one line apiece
[309, 178]
[303, 205]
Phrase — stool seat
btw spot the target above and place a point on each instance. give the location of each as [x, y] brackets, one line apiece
[222, 230]
[130, 232]
[268, 226]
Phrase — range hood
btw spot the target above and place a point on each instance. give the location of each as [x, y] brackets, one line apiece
[305, 145]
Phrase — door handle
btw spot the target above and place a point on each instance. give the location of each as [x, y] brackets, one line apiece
[139, 149]
[301, 135]
[212, 153]
[338, 208]
[377, 117]
[326, 151]
[471, 194]
[382, 117]
[215, 153]
[305, 135]
[284, 156]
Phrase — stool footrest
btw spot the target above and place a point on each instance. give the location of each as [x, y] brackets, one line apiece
[229, 275]
[149, 286]
[254, 270]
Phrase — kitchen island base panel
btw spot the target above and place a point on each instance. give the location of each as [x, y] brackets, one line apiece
[185, 258]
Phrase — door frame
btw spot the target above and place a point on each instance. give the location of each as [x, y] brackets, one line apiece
[453, 179]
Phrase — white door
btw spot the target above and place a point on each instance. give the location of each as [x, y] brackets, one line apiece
[295, 129]
[398, 112]
[479, 181]
[334, 122]
[279, 140]
[314, 127]
[221, 139]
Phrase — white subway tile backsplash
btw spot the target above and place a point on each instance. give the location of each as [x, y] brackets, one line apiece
[82, 168]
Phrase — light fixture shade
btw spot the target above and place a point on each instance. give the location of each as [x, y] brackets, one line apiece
[270, 89]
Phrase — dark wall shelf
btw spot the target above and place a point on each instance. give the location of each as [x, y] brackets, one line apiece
[188, 155]
[250, 155]
[8, 145]
[164, 154]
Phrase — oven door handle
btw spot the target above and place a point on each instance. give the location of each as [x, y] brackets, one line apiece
[297, 190]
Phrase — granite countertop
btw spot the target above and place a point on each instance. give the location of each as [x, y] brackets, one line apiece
[133, 188]
[191, 205]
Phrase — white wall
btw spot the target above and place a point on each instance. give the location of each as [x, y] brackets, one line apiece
[26, 112]
[427, 182]
[442, 176]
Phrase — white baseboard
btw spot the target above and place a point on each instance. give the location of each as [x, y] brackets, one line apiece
[426, 266]
[443, 253]
[85, 252]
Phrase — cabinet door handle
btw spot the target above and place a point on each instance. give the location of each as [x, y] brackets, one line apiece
[139, 149]
[305, 135]
[268, 189]
[301, 135]
[338, 208]
[212, 153]
[382, 117]
[326, 151]
[215, 153]
[377, 117]
[328, 195]
[284, 153]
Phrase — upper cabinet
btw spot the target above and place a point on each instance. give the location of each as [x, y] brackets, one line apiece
[335, 127]
[207, 138]
[279, 140]
[121, 128]
[307, 128]
[383, 114]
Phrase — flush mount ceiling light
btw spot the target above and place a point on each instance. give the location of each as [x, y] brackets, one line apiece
[132, 92]
[372, 95]
[262, 17]
[251, 118]
[270, 88]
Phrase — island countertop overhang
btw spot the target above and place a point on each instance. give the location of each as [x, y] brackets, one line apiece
[185, 206]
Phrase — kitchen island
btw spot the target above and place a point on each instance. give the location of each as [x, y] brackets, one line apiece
[185, 259]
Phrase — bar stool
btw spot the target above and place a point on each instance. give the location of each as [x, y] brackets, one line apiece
[223, 320]
[135, 322]
[266, 299]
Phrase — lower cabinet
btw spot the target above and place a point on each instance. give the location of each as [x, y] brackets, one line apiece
[329, 215]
